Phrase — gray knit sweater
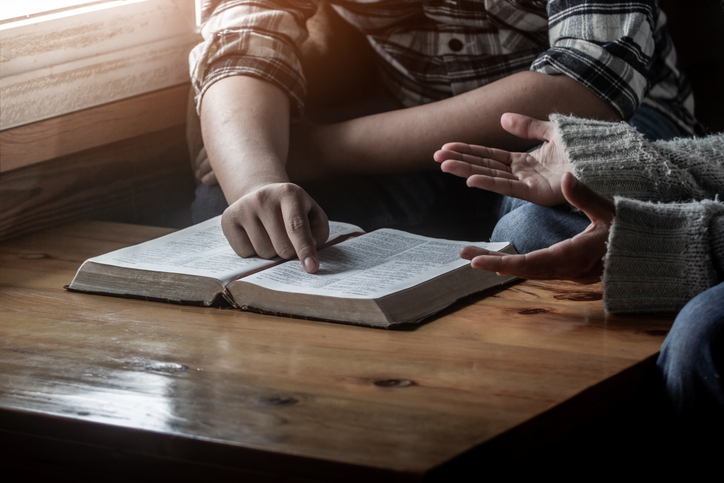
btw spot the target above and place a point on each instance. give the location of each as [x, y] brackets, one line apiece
[666, 243]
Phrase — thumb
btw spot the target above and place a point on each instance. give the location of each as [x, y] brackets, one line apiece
[526, 127]
[595, 206]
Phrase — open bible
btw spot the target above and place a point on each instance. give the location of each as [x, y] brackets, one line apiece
[381, 278]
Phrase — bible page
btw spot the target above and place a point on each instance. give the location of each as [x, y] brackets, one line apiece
[200, 250]
[371, 266]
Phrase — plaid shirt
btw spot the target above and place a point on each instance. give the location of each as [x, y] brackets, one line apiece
[433, 49]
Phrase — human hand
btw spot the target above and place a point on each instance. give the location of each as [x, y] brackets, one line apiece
[277, 219]
[534, 176]
[203, 170]
[578, 258]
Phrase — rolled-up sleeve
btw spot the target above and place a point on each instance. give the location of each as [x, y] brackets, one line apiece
[258, 38]
[606, 46]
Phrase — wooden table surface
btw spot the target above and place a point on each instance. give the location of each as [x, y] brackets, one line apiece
[91, 380]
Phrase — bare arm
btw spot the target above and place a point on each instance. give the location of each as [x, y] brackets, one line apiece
[245, 125]
[404, 140]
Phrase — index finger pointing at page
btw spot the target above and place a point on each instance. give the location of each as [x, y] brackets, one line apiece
[307, 227]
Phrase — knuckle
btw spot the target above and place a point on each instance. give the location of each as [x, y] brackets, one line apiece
[232, 216]
[288, 190]
[296, 224]
[287, 252]
[227, 220]
[244, 250]
[259, 198]
[266, 253]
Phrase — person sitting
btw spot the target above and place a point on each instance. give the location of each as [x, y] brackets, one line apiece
[452, 70]
[654, 234]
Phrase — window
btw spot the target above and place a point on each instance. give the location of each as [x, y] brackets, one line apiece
[14, 10]
[60, 56]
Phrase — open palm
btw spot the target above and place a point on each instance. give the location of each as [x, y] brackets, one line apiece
[534, 176]
[578, 258]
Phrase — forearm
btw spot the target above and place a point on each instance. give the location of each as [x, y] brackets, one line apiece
[404, 140]
[245, 126]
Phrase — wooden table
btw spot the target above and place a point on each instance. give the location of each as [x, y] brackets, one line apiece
[112, 385]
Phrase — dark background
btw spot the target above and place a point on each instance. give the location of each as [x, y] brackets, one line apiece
[697, 28]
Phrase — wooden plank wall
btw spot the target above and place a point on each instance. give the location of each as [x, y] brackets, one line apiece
[60, 63]
[123, 161]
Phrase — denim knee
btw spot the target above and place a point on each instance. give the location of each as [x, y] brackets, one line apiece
[530, 227]
[692, 355]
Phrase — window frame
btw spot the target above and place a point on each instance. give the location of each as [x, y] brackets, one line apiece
[83, 57]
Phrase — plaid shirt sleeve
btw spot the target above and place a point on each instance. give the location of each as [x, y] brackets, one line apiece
[432, 50]
[606, 46]
[258, 38]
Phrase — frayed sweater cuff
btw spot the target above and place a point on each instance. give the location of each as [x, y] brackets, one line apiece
[659, 255]
[605, 156]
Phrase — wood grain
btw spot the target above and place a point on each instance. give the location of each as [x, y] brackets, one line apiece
[138, 179]
[281, 398]
[92, 82]
[91, 56]
[90, 128]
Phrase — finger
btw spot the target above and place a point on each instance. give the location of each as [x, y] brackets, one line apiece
[236, 236]
[199, 161]
[261, 238]
[204, 172]
[540, 264]
[246, 232]
[200, 157]
[500, 185]
[578, 259]
[210, 179]
[465, 170]
[469, 153]
[299, 230]
[470, 252]
[508, 264]
[595, 206]
[527, 127]
[273, 224]
[491, 263]
[319, 225]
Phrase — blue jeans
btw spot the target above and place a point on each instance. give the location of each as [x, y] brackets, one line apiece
[692, 356]
[692, 359]
[530, 227]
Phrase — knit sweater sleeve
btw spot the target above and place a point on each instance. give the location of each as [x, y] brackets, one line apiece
[661, 255]
[616, 160]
